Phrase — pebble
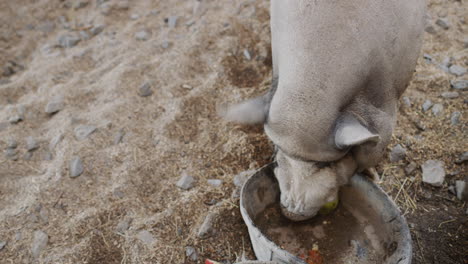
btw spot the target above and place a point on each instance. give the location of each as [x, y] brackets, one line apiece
[215, 182]
[134, 16]
[118, 137]
[463, 157]
[437, 109]
[459, 85]
[55, 105]
[430, 29]
[427, 105]
[443, 23]
[411, 167]
[165, 44]
[142, 35]
[191, 253]
[81, 3]
[47, 156]
[145, 237]
[84, 35]
[31, 144]
[398, 153]
[447, 61]
[407, 101]
[206, 229]
[428, 58]
[460, 186]
[433, 172]
[96, 29]
[68, 40]
[145, 90]
[450, 95]
[76, 167]
[39, 243]
[54, 141]
[247, 54]
[11, 143]
[11, 154]
[2, 244]
[27, 156]
[172, 21]
[83, 131]
[185, 182]
[457, 70]
[455, 118]
[122, 226]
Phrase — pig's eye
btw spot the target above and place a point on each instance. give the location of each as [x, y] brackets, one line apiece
[321, 165]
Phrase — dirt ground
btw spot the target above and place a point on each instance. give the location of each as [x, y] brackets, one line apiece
[193, 68]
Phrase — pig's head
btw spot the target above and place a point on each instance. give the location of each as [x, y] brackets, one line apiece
[309, 180]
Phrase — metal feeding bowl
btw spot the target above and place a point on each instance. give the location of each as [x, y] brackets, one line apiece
[366, 227]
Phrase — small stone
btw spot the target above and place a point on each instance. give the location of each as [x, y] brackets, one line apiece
[242, 177]
[206, 229]
[172, 21]
[55, 105]
[215, 182]
[452, 190]
[443, 23]
[39, 243]
[145, 90]
[398, 153]
[134, 16]
[463, 157]
[427, 105]
[450, 95]
[55, 140]
[428, 58]
[142, 35]
[83, 131]
[457, 70]
[11, 143]
[165, 44]
[123, 226]
[2, 244]
[28, 155]
[459, 85]
[96, 29]
[145, 237]
[47, 156]
[430, 29]
[185, 182]
[437, 109]
[433, 172]
[118, 193]
[455, 118]
[407, 101]
[123, 5]
[191, 253]
[81, 3]
[106, 9]
[247, 54]
[31, 144]
[76, 167]
[186, 86]
[84, 35]
[68, 40]
[11, 154]
[411, 167]
[460, 186]
[118, 137]
[15, 119]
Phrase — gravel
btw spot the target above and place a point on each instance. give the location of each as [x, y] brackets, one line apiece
[438, 109]
[247, 54]
[55, 105]
[443, 23]
[450, 95]
[11, 154]
[206, 229]
[68, 40]
[455, 118]
[12, 143]
[191, 253]
[39, 243]
[407, 101]
[76, 167]
[433, 172]
[31, 144]
[460, 187]
[427, 105]
[95, 30]
[172, 21]
[459, 85]
[411, 167]
[398, 153]
[185, 182]
[145, 237]
[215, 182]
[430, 29]
[145, 90]
[142, 35]
[123, 226]
[83, 131]
[463, 157]
[457, 70]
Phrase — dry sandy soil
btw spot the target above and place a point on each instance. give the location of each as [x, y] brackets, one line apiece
[193, 68]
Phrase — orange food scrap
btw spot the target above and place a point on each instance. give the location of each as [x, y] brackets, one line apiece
[313, 257]
[209, 261]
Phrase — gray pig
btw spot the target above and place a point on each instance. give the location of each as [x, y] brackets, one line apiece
[339, 67]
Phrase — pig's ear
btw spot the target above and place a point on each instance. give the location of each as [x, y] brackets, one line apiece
[253, 111]
[350, 132]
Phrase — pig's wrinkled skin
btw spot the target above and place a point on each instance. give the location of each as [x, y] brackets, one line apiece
[339, 68]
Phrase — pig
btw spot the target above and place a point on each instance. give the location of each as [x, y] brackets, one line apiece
[339, 68]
